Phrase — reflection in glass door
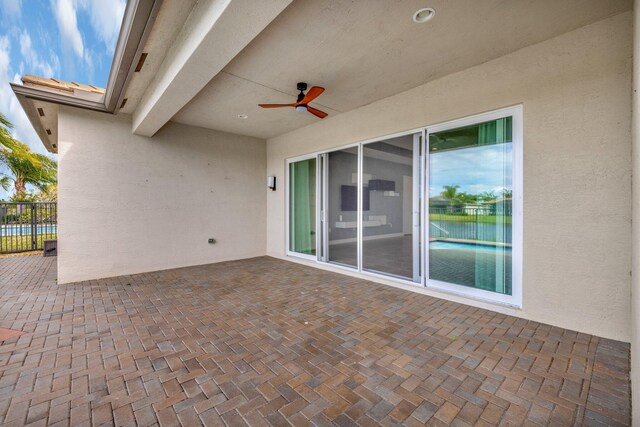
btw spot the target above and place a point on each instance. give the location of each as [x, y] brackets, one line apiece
[390, 215]
[470, 206]
[440, 212]
[302, 207]
[341, 207]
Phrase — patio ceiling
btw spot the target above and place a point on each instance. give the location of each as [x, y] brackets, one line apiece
[209, 63]
[365, 51]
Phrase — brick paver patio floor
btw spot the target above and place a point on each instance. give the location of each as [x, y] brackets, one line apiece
[268, 342]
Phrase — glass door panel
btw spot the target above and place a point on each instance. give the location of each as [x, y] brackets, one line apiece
[342, 206]
[302, 207]
[389, 184]
[470, 206]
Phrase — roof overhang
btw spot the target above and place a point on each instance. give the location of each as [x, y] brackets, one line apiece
[137, 22]
[210, 63]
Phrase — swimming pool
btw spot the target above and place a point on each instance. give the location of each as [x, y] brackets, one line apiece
[22, 230]
[439, 244]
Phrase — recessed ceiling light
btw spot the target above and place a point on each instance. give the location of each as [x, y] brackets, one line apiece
[423, 15]
[243, 116]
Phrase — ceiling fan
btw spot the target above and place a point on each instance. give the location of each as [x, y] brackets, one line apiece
[302, 104]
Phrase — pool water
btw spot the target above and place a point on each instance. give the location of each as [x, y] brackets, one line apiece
[23, 230]
[438, 244]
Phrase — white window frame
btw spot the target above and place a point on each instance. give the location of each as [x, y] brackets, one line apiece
[288, 206]
[515, 299]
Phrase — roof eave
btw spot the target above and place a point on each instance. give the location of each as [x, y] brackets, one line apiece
[139, 17]
[137, 22]
[31, 92]
[32, 114]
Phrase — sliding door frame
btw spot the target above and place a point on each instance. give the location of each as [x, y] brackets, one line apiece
[322, 244]
[423, 281]
[360, 208]
[515, 299]
[288, 207]
[416, 207]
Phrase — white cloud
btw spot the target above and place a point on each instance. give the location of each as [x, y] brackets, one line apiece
[476, 169]
[89, 56]
[4, 55]
[106, 19]
[66, 17]
[11, 9]
[34, 62]
[23, 130]
[9, 104]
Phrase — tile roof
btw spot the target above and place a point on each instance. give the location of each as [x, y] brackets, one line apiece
[56, 84]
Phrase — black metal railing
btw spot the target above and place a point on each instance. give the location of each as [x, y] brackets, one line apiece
[479, 223]
[24, 226]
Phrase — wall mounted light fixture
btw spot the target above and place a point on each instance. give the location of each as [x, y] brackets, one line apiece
[271, 183]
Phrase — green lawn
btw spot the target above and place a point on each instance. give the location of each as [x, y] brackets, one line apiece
[484, 219]
[22, 243]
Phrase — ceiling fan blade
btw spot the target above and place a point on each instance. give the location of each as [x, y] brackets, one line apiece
[312, 94]
[276, 105]
[316, 112]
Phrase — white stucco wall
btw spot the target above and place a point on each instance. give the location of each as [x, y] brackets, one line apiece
[131, 204]
[575, 90]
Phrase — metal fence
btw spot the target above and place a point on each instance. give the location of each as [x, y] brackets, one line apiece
[25, 226]
[479, 223]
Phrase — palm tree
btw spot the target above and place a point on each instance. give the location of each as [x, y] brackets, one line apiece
[467, 198]
[488, 196]
[6, 140]
[48, 194]
[450, 192]
[25, 166]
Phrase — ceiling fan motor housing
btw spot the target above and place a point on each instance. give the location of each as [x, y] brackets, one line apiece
[302, 86]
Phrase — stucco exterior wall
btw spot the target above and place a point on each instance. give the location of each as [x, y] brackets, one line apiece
[131, 204]
[575, 91]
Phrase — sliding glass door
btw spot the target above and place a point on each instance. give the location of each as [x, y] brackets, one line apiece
[471, 206]
[440, 207]
[390, 216]
[341, 206]
[302, 207]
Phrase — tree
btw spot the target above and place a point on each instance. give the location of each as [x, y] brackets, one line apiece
[468, 197]
[7, 142]
[25, 166]
[48, 194]
[488, 196]
[5, 182]
[450, 192]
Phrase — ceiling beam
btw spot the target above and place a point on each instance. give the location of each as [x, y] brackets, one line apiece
[215, 32]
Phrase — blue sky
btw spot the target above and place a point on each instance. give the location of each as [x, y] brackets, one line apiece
[71, 40]
[476, 170]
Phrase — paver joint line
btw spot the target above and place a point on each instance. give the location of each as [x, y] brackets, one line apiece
[269, 342]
